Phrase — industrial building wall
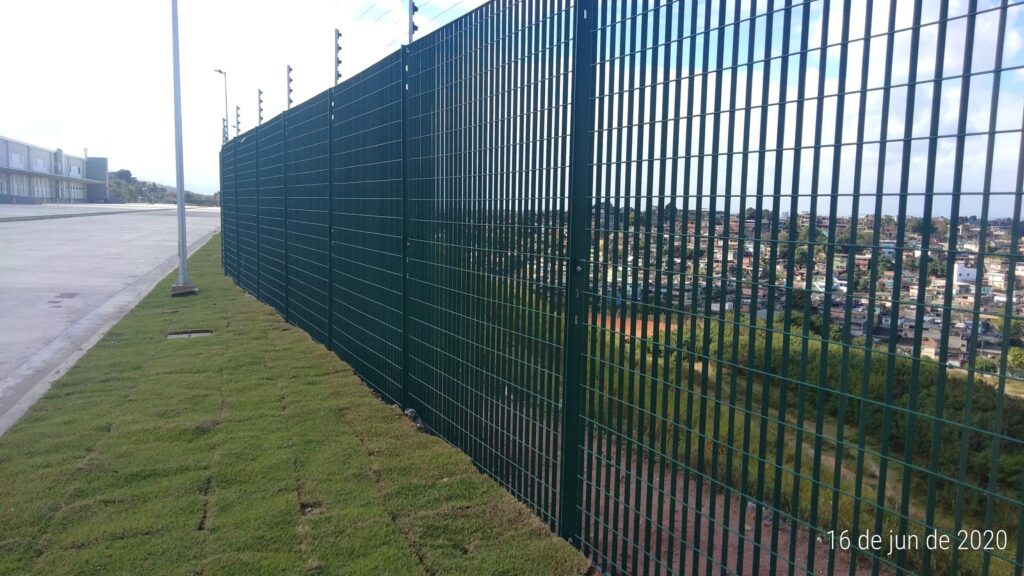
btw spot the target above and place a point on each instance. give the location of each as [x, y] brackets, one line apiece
[55, 175]
[96, 169]
[19, 185]
[40, 160]
[42, 188]
[74, 167]
[15, 188]
[17, 155]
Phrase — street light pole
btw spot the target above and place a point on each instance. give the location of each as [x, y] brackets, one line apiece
[225, 74]
[184, 285]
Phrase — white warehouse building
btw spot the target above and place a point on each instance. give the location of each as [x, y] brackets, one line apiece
[34, 175]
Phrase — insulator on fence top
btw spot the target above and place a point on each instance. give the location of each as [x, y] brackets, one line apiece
[413, 9]
[337, 55]
[289, 86]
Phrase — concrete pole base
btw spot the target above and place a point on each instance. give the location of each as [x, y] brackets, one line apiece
[184, 290]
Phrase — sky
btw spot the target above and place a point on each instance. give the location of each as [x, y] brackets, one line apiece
[765, 113]
[98, 75]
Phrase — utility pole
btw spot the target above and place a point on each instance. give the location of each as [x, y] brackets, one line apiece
[413, 9]
[260, 107]
[289, 87]
[184, 285]
[337, 56]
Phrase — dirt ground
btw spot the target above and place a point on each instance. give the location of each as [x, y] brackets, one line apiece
[695, 533]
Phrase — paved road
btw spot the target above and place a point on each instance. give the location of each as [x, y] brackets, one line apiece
[64, 282]
[21, 211]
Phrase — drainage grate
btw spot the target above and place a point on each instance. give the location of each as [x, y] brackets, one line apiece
[67, 294]
[179, 334]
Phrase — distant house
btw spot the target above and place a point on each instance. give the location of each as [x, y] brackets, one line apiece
[964, 273]
[998, 280]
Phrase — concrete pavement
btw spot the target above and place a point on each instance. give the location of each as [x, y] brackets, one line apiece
[25, 211]
[64, 282]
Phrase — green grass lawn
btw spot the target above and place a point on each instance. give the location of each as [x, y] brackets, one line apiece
[253, 451]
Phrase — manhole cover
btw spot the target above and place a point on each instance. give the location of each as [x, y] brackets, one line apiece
[179, 334]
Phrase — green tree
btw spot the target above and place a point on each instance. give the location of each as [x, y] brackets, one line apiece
[1017, 329]
[1015, 360]
[799, 298]
[751, 214]
[865, 239]
[917, 225]
[936, 267]
[986, 365]
[863, 283]
[800, 257]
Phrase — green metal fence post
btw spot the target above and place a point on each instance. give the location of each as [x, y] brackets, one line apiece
[223, 235]
[284, 211]
[234, 191]
[259, 250]
[330, 218]
[406, 380]
[581, 150]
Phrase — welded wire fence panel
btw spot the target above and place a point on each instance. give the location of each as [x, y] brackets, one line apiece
[368, 227]
[271, 214]
[768, 339]
[724, 287]
[247, 207]
[487, 137]
[307, 170]
[228, 212]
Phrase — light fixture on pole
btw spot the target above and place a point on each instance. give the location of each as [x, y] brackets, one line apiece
[225, 74]
[259, 113]
[184, 285]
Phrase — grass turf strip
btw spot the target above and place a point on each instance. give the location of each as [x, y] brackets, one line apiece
[253, 451]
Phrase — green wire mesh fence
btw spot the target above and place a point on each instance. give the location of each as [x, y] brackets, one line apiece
[368, 198]
[723, 287]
